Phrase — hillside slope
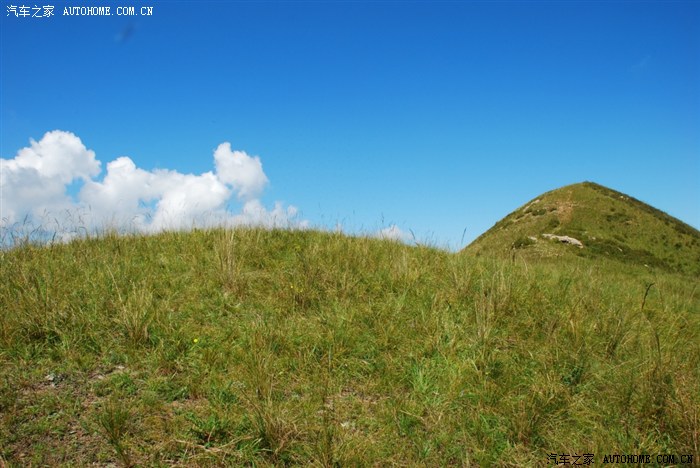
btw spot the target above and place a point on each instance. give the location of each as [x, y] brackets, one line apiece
[276, 348]
[608, 224]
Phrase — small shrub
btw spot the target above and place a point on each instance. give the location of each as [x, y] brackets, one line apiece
[523, 242]
[114, 420]
[618, 218]
[211, 429]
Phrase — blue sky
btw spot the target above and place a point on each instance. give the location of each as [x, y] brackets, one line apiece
[435, 117]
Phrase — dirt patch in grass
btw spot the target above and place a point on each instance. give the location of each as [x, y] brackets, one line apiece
[565, 211]
[58, 430]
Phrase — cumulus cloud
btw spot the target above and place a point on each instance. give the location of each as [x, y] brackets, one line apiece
[36, 181]
[392, 233]
[243, 172]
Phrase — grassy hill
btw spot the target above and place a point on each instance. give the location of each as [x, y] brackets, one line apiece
[609, 224]
[280, 347]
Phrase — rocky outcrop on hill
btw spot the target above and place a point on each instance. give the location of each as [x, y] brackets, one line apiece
[564, 240]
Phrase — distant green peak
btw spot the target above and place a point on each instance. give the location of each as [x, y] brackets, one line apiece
[601, 223]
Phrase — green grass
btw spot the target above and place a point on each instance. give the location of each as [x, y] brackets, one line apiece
[610, 224]
[257, 347]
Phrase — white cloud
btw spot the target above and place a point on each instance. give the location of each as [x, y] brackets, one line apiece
[58, 155]
[254, 213]
[35, 181]
[243, 172]
[392, 233]
[186, 199]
